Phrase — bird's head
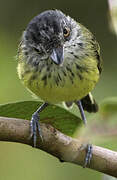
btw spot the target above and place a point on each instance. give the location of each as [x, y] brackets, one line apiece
[52, 35]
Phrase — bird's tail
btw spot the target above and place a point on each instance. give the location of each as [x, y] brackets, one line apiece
[88, 103]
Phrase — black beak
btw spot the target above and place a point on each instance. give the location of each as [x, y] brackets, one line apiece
[57, 55]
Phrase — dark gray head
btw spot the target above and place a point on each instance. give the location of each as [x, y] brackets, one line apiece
[49, 33]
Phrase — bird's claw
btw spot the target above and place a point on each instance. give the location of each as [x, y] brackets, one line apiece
[88, 156]
[35, 128]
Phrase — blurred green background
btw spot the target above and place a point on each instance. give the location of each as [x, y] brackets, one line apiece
[19, 161]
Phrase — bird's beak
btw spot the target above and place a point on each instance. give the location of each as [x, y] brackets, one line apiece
[57, 55]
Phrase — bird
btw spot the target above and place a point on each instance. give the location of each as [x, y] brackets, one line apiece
[59, 61]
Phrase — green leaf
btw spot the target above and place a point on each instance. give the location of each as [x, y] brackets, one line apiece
[58, 117]
[109, 106]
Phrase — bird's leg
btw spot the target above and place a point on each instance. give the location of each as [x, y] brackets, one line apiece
[35, 125]
[89, 146]
[79, 104]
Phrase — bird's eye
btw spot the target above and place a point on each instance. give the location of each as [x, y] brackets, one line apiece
[66, 32]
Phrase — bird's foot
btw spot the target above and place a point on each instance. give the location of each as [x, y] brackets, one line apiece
[35, 128]
[88, 156]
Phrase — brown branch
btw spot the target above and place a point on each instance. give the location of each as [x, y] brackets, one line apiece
[59, 145]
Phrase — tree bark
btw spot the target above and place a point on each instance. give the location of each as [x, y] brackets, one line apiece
[59, 145]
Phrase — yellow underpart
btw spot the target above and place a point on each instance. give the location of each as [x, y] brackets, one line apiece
[66, 90]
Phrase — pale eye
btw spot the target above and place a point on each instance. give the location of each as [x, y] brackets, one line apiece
[66, 32]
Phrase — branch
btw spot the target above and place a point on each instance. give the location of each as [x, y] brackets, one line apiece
[59, 145]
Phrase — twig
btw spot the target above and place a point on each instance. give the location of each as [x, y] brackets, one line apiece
[59, 145]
